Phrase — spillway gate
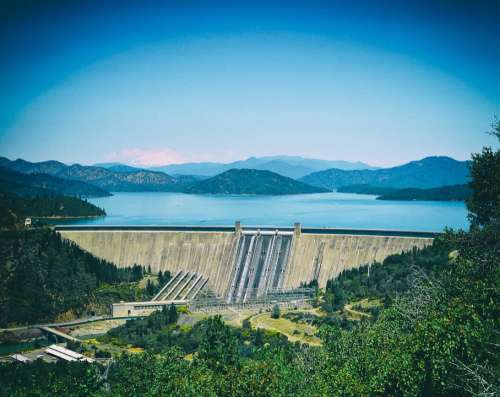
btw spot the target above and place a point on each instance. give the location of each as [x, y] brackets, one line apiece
[260, 264]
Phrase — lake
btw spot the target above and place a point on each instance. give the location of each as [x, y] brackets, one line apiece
[343, 210]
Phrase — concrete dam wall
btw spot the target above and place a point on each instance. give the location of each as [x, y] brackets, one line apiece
[243, 263]
[322, 256]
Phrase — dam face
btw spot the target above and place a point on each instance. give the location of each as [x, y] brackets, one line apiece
[242, 264]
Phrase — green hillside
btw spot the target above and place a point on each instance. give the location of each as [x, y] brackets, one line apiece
[136, 180]
[441, 193]
[365, 189]
[14, 209]
[246, 181]
[43, 276]
[43, 196]
[32, 184]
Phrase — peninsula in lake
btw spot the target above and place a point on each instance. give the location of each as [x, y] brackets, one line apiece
[244, 181]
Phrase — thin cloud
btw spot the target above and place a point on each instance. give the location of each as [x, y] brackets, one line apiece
[147, 157]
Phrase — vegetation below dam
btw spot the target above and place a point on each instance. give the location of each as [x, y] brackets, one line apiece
[44, 278]
[425, 341]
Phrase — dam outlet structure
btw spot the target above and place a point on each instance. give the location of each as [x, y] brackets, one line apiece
[241, 264]
[260, 265]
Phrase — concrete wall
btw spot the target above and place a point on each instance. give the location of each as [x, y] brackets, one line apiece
[323, 256]
[207, 253]
[213, 253]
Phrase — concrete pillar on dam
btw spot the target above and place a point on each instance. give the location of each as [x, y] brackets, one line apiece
[237, 228]
[296, 229]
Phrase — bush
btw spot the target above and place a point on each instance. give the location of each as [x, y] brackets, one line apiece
[276, 312]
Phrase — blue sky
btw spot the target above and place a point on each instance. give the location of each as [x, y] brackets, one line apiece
[151, 83]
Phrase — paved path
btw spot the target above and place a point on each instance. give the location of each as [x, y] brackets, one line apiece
[59, 334]
[77, 321]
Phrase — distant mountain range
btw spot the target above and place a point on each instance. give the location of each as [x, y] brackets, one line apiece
[248, 181]
[118, 167]
[426, 173]
[134, 181]
[290, 166]
[429, 172]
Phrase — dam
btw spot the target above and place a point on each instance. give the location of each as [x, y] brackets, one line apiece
[241, 263]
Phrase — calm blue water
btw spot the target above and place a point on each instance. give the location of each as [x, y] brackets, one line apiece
[313, 210]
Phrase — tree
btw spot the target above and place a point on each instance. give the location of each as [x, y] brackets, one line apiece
[218, 346]
[338, 297]
[151, 288]
[276, 312]
[172, 314]
[484, 203]
[246, 324]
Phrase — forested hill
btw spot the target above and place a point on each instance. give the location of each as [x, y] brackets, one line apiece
[133, 181]
[47, 277]
[43, 184]
[42, 196]
[442, 193]
[426, 173]
[14, 209]
[247, 181]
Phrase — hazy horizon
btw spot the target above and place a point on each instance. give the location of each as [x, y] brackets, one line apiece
[218, 162]
[155, 83]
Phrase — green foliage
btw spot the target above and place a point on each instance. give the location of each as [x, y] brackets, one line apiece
[484, 204]
[365, 189]
[218, 347]
[43, 276]
[43, 196]
[438, 335]
[47, 206]
[248, 181]
[38, 183]
[246, 324]
[442, 193]
[276, 312]
[384, 280]
[42, 379]
[95, 178]
[437, 339]
[159, 332]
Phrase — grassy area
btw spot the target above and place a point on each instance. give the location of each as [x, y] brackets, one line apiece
[153, 278]
[94, 328]
[301, 332]
[359, 309]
